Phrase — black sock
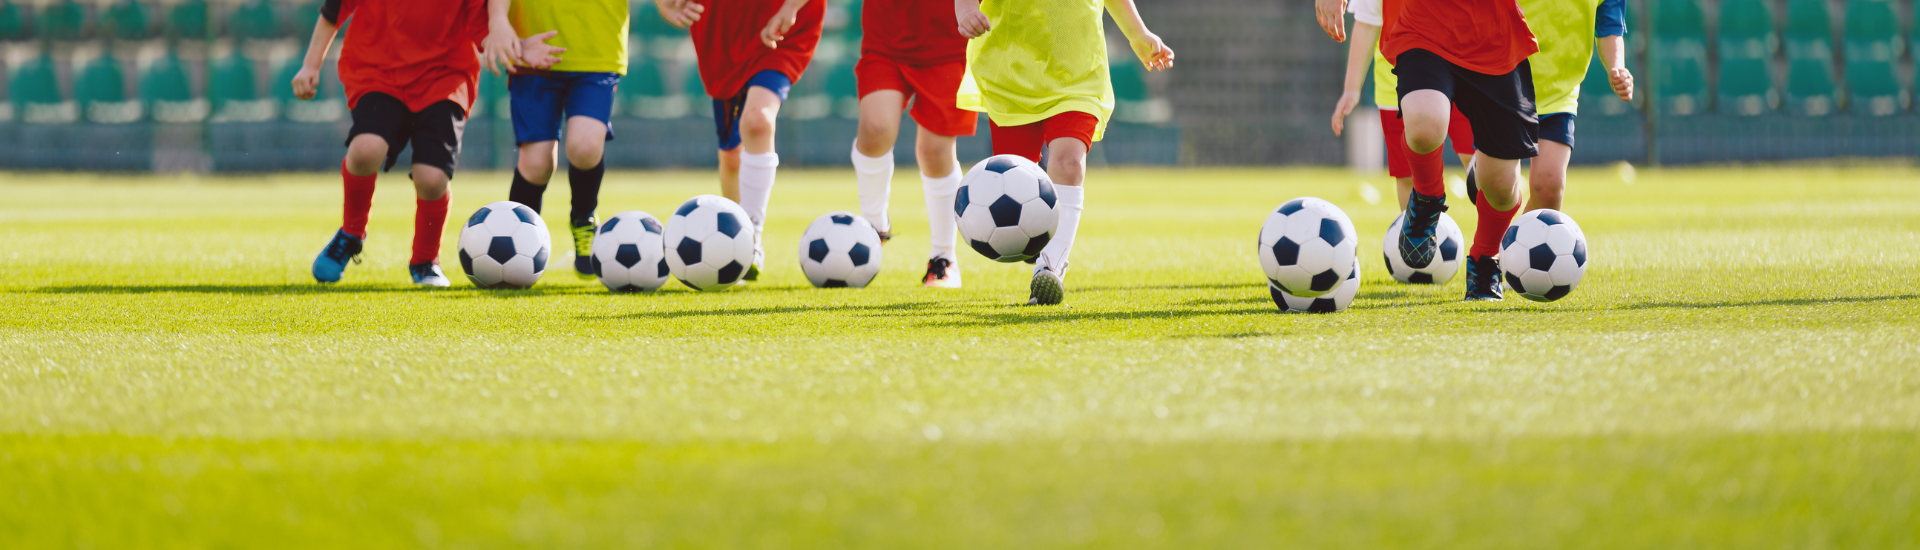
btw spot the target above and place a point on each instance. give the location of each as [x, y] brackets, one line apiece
[525, 192]
[586, 190]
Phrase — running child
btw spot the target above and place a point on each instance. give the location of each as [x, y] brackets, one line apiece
[1038, 68]
[1364, 46]
[909, 53]
[1471, 54]
[576, 94]
[410, 70]
[751, 52]
[1559, 69]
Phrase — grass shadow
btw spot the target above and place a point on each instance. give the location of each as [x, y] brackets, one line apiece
[879, 310]
[1775, 302]
[276, 290]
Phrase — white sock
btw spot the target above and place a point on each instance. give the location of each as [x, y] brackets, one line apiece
[1071, 201]
[875, 176]
[756, 184]
[940, 216]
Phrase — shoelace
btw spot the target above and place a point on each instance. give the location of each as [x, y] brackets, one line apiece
[337, 250]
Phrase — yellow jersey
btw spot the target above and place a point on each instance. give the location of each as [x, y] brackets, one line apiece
[1042, 58]
[594, 32]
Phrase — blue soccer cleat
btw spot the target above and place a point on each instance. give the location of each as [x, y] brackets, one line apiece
[333, 260]
[1483, 279]
[428, 274]
[1418, 240]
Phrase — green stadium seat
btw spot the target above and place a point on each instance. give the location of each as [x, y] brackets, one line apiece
[1680, 57]
[327, 104]
[842, 86]
[853, 31]
[13, 22]
[35, 90]
[234, 92]
[101, 91]
[1811, 90]
[646, 22]
[128, 20]
[644, 93]
[302, 19]
[1133, 100]
[1747, 45]
[62, 20]
[256, 19]
[493, 100]
[188, 19]
[1872, 47]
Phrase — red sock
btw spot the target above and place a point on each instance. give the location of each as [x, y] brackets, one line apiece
[1492, 226]
[353, 219]
[1427, 171]
[429, 220]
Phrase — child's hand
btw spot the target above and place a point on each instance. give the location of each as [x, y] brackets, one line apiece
[1333, 18]
[535, 52]
[501, 48]
[973, 22]
[776, 29]
[1348, 99]
[1622, 81]
[680, 13]
[1152, 52]
[306, 83]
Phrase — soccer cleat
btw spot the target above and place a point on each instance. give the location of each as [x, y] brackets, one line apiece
[941, 273]
[1048, 287]
[332, 261]
[885, 235]
[1473, 188]
[583, 247]
[1418, 242]
[428, 274]
[759, 257]
[1483, 279]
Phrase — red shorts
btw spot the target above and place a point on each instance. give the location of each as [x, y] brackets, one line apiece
[1027, 139]
[1399, 164]
[931, 89]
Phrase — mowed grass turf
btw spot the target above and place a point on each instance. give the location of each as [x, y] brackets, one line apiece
[1740, 369]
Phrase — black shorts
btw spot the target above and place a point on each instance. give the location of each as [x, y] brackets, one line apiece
[434, 132]
[1500, 107]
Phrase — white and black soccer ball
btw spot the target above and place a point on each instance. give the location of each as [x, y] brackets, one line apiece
[505, 245]
[1307, 247]
[1445, 264]
[628, 253]
[1331, 302]
[1543, 255]
[1007, 208]
[840, 250]
[709, 243]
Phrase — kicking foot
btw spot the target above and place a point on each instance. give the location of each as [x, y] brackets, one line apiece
[1483, 279]
[583, 231]
[428, 274]
[941, 273]
[759, 258]
[1418, 242]
[332, 261]
[1048, 287]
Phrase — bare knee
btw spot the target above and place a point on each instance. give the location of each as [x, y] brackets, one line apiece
[585, 153]
[1426, 113]
[876, 136]
[1499, 181]
[365, 154]
[756, 126]
[935, 155]
[430, 183]
[1067, 162]
[536, 162]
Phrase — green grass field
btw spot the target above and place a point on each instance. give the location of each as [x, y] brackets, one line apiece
[1740, 369]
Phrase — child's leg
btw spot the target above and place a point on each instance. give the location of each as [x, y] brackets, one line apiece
[430, 188]
[1067, 167]
[1499, 199]
[758, 161]
[940, 178]
[586, 165]
[1425, 114]
[873, 154]
[1549, 177]
[358, 172]
[531, 173]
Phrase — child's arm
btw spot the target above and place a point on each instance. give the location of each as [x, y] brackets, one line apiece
[307, 81]
[973, 22]
[501, 48]
[1359, 52]
[1333, 18]
[1610, 30]
[1147, 46]
[776, 29]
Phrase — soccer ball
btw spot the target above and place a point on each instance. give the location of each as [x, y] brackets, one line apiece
[840, 250]
[1006, 208]
[1444, 265]
[627, 253]
[504, 245]
[1307, 247]
[1543, 254]
[1333, 302]
[709, 243]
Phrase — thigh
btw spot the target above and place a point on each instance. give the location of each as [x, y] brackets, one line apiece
[436, 136]
[385, 116]
[590, 95]
[535, 102]
[1500, 107]
[935, 99]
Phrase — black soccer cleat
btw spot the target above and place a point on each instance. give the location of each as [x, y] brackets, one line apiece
[1418, 241]
[1483, 279]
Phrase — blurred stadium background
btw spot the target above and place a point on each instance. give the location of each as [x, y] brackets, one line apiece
[197, 85]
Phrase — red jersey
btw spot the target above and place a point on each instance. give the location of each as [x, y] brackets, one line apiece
[913, 32]
[727, 40]
[418, 51]
[1483, 36]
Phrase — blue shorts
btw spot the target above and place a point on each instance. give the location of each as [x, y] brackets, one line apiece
[541, 102]
[726, 112]
[1557, 127]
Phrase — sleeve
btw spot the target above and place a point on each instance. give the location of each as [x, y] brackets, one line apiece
[1611, 19]
[330, 10]
[1366, 11]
